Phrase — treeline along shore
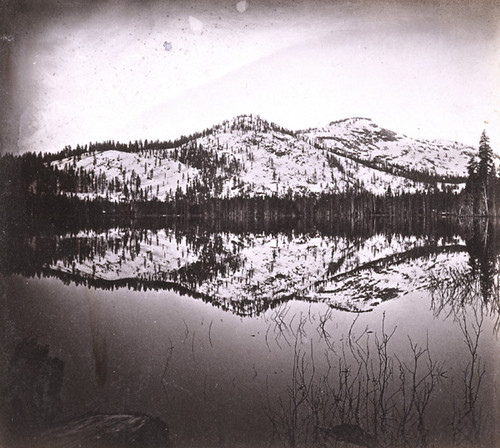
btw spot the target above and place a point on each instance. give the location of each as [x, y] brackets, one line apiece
[26, 211]
[31, 191]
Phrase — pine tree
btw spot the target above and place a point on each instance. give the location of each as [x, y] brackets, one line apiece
[487, 175]
[482, 180]
[472, 186]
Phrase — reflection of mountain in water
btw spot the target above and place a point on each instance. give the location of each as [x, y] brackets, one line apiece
[247, 273]
[325, 379]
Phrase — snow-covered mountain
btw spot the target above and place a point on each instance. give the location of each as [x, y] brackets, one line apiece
[248, 156]
[362, 139]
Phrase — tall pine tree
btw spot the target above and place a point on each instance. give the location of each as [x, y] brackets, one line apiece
[487, 175]
[482, 181]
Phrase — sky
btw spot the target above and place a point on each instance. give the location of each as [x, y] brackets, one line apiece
[74, 72]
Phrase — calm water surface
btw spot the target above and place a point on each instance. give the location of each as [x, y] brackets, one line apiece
[404, 369]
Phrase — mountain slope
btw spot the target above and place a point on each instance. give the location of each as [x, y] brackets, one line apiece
[360, 138]
[248, 156]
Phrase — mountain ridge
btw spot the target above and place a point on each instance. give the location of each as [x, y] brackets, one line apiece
[249, 156]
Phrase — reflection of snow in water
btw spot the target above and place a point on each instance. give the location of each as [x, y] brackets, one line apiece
[245, 271]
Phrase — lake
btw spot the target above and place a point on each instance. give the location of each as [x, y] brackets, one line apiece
[259, 337]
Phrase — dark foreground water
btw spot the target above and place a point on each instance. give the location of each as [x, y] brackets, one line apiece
[284, 340]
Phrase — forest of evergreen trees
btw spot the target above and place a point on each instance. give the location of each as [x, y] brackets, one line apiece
[31, 189]
[32, 173]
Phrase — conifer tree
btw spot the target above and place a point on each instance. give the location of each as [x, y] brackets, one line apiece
[472, 186]
[482, 181]
[487, 175]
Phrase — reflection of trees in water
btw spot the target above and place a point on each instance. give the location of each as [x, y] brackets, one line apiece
[371, 396]
[26, 251]
[484, 248]
[245, 273]
[476, 285]
[468, 295]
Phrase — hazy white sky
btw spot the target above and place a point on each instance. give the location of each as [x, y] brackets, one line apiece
[427, 69]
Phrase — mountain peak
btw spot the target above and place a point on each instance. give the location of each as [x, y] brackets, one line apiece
[351, 120]
[250, 156]
[249, 122]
